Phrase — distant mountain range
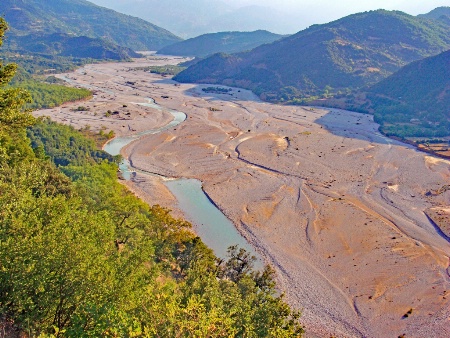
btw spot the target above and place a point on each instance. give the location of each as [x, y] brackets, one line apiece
[196, 17]
[82, 18]
[349, 53]
[227, 42]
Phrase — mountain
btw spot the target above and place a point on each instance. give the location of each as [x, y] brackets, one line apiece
[73, 46]
[440, 13]
[184, 18]
[415, 101]
[227, 42]
[197, 17]
[352, 52]
[254, 17]
[83, 18]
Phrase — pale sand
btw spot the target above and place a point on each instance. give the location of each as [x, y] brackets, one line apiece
[335, 207]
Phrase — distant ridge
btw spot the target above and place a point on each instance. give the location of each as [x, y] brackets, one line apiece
[226, 42]
[83, 18]
[191, 18]
[439, 13]
[349, 53]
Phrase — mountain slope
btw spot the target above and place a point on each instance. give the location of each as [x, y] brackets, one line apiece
[227, 42]
[415, 101]
[440, 13]
[348, 53]
[82, 18]
[73, 46]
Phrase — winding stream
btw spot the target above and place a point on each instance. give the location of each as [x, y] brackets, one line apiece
[214, 228]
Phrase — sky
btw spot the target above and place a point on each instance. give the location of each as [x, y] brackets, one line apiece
[323, 11]
[351, 6]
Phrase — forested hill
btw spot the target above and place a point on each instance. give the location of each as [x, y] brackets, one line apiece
[415, 101]
[440, 13]
[82, 18]
[324, 59]
[71, 46]
[226, 42]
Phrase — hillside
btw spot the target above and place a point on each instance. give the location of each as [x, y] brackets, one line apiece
[415, 101]
[324, 59]
[82, 18]
[440, 13]
[73, 46]
[226, 42]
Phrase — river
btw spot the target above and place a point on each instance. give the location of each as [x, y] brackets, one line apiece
[213, 227]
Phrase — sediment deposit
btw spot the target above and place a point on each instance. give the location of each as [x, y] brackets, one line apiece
[336, 208]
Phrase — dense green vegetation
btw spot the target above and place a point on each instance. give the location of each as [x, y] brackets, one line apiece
[163, 70]
[46, 91]
[82, 18]
[43, 64]
[49, 93]
[81, 256]
[45, 95]
[328, 59]
[225, 42]
[64, 145]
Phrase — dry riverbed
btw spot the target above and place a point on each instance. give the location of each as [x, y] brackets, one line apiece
[335, 207]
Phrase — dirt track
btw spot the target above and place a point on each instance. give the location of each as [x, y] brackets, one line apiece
[334, 206]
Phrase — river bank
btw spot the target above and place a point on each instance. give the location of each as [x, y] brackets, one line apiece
[337, 208]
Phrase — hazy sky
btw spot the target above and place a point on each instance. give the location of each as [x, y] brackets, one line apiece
[289, 17]
[327, 10]
[351, 6]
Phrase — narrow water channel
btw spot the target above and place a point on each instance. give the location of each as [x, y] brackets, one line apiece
[214, 228]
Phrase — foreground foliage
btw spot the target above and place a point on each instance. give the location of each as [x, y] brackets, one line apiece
[81, 256]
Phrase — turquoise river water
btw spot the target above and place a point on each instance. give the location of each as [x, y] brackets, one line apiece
[214, 228]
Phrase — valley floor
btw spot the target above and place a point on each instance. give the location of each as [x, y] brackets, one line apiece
[334, 206]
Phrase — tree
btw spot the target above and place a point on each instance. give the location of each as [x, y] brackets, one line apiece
[12, 115]
[13, 118]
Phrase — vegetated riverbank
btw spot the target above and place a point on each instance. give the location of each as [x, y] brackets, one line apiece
[330, 203]
[425, 144]
[212, 226]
